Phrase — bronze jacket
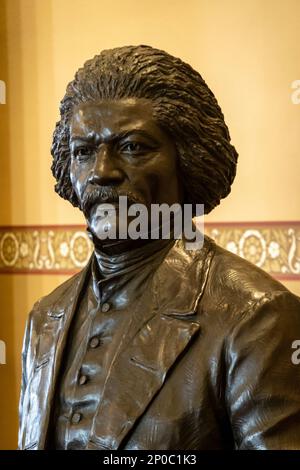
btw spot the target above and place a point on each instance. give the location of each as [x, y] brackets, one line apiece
[208, 364]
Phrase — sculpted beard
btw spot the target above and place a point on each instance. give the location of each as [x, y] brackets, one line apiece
[96, 196]
[100, 195]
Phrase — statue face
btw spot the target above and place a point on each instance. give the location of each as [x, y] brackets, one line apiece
[117, 147]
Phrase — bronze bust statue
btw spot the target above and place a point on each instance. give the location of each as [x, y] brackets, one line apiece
[152, 345]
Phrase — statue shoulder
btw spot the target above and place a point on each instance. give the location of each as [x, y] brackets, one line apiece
[234, 286]
[239, 276]
[57, 300]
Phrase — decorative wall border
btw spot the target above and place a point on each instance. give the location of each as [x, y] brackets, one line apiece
[58, 249]
[273, 246]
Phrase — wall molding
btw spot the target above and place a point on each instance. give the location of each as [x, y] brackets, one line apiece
[64, 249]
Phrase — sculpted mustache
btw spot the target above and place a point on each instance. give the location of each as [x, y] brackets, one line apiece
[110, 195]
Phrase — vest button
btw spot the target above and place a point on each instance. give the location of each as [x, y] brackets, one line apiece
[76, 418]
[94, 342]
[105, 307]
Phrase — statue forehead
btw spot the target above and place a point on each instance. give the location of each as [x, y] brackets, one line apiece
[118, 114]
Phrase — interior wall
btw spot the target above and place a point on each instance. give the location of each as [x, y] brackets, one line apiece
[248, 52]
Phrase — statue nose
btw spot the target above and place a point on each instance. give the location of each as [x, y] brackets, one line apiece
[106, 171]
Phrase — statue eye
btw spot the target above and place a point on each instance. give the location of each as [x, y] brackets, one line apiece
[133, 148]
[83, 152]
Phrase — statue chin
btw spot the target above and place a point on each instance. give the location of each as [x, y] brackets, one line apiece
[104, 227]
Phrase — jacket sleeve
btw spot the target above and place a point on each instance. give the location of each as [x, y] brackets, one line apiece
[27, 355]
[263, 378]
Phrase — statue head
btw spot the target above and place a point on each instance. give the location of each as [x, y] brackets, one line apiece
[183, 107]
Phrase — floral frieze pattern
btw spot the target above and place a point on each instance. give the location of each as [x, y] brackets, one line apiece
[44, 249]
[273, 246]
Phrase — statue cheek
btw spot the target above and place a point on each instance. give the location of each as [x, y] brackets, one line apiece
[77, 180]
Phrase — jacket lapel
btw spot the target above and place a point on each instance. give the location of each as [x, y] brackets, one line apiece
[155, 339]
[51, 341]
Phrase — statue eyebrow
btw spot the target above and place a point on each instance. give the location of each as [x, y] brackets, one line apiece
[94, 138]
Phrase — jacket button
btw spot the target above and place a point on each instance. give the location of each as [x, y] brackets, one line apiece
[82, 379]
[76, 418]
[94, 342]
[105, 307]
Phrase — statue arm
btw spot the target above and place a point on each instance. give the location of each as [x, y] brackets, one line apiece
[27, 361]
[263, 380]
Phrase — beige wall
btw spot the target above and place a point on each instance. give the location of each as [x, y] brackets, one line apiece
[248, 52]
